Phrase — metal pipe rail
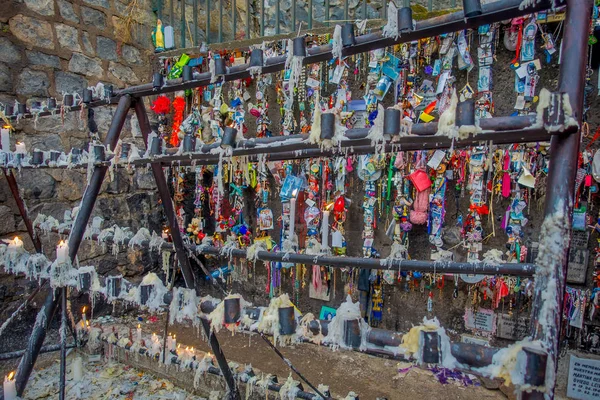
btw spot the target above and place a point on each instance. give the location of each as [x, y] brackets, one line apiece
[492, 12]
[46, 349]
[499, 130]
[442, 267]
[274, 386]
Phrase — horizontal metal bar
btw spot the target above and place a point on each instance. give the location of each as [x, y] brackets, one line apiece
[499, 130]
[442, 267]
[492, 12]
[471, 355]
[275, 387]
[46, 349]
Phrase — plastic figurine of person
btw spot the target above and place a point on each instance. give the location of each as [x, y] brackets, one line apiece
[158, 37]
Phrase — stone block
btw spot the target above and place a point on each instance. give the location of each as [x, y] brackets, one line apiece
[122, 73]
[93, 17]
[145, 180]
[33, 83]
[72, 185]
[42, 7]
[132, 55]
[68, 37]
[6, 82]
[87, 44]
[85, 65]
[43, 142]
[42, 59]
[10, 52]
[67, 82]
[98, 3]
[37, 184]
[67, 11]
[32, 31]
[106, 48]
[8, 220]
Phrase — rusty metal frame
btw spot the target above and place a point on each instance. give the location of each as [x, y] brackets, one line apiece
[559, 200]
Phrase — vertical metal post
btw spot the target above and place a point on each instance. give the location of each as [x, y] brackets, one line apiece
[184, 261]
[262, 18]
[159, 7]
[248, 19]
[207, 21]
[172, 13]
[453, 4]
[167, 202]
[430, 5]
[561, 181]
[364, 9]
[91, 191]
[310, 12]
[327, 12]
[36, 340]
[220, 21]
[195, 16]
[234, 18]
[277, 10]
[14, 188]
[183, 24]
[63, 343]
[346, 14]
[293, 16]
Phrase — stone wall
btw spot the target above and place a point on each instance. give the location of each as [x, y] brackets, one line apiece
[54, 46]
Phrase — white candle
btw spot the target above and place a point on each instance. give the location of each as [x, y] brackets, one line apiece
[16, 243]
[139, 334]
[77, 368]
[292, 216]
[173, 343]
[62, 252]
[10, 390]
[20, 148]
[5, 139]
[83, 316]
[325, 229]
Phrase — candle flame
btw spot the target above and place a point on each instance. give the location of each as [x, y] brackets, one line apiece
[62, 243]
[139, 326]
[19, 143]
[83, 310]
[11, 375]
[6, 126]
[87, 323]
[173, 336]
[329, 206]
[295, 192]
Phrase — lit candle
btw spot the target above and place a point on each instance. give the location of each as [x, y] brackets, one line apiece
[5, 138]
[292, 215]
[20, 148]
[154, 338]
[83, 316]
[325, 229]
[173, 343]
[15, 244]
[165, 233]
[10, 390]
[77, 368]
[169, 339]
[139, 334]
[62, 252]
